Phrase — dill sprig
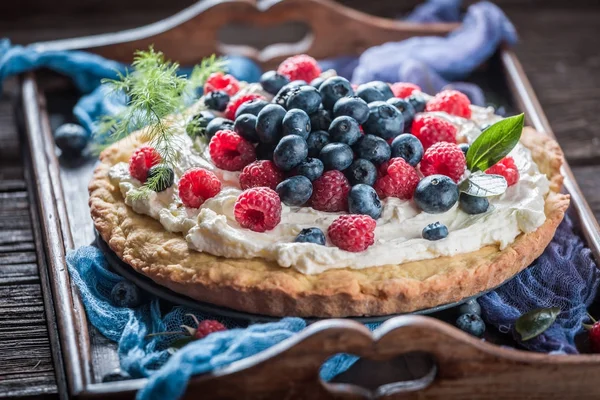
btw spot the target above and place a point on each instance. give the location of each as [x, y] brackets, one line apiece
[155, 91]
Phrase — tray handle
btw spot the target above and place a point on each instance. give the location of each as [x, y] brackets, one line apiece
[193, 33]
[464, 365]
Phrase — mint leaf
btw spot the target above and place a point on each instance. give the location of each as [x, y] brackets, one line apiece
[484, 185]
[535, 322]
[495, 143]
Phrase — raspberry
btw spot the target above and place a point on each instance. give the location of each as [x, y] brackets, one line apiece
[141, 161]
[207, 327]
[198, 185]
[219, 81]
[450, 101]
[352, 232]
[330, 192]
[258, 209]
[230, 151]
[260, 173]
[444, 158]
[396, 179]
[237, 101]
[430, 129]
[301, 67]
[507, 168]
[404, 89]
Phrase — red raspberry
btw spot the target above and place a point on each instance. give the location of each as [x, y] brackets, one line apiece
[258, 209]
[230, 151]
[301, 67]
[430, 129]
[237, 101]
[207, 327]
[450, 101]
[330, 192]
[507, 168]
[260, 173]
[445, 159]
[141, 161]
[352, 232]
[198, 185]
[396, 179]
[404, 89]
[219, 81]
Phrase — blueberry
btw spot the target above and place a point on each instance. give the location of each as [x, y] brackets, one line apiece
[344, 129]
[289, 152]
[312, 168]
[245, 126]
[384, 120]
[316, 141]
[473, 204]
[363, 199]
[283, 94]
[295, 191]
[361, 171]
[216, 100]
[472, 324]
[272, 82]
[317, 82]
[435, 231]
[336, 156]
[436, 194]
[464, 147]
[354, 107]
[320, 120]
[268, 123]
[251, 107]
[408, 147]
[264, 151]
[373, 148]
[370, 93]
[306, 98]
[296, 122]
[71, 139]
[167, 177]
[470, 307]
[218, 124]
[383, 87]
[417, 101]
[198, 123]
[404, 106]
[116, 376]
[125, 294]
[333, 89]
[311, 235]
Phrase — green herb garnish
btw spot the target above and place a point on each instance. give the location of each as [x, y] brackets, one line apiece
[535, 322]
[155, 91]
[483, 185]
[495, 143]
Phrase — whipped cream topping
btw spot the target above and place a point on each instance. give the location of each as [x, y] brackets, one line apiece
[213, 229]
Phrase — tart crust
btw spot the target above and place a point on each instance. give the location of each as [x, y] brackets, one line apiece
[263, 287]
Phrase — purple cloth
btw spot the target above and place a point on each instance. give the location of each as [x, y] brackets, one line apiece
[564, 276]
[432, 62]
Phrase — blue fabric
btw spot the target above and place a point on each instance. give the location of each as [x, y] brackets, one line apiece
[564, 276]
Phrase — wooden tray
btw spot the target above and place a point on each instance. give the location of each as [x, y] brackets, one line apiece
[463, 367]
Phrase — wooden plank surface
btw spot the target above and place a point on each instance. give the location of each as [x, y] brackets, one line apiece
[559, 53]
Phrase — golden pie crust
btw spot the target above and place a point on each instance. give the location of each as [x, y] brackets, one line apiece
[263, 287]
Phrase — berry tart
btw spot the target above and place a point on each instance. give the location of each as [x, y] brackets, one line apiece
[304, 195]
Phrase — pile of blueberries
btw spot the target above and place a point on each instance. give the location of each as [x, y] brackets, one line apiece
[318, 126]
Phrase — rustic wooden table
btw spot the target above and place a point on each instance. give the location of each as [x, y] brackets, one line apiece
[558, 48]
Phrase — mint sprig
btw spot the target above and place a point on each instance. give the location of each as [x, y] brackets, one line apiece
[495, 143]
[483, 185]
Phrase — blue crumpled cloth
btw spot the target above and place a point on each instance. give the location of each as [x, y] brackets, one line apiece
[565, 275]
